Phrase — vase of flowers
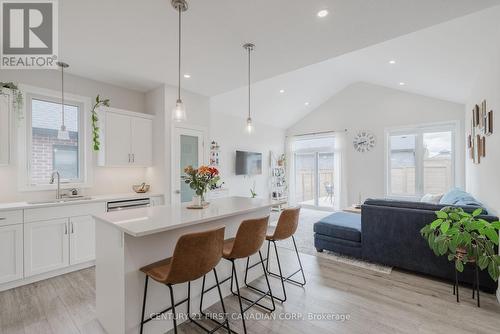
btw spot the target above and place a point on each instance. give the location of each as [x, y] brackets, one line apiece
[200, 180]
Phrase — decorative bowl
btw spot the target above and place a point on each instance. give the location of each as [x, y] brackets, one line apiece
[141, 188]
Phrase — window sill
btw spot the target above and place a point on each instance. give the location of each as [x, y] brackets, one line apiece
[51, 187]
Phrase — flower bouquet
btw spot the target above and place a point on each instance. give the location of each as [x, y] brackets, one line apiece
[200, 180]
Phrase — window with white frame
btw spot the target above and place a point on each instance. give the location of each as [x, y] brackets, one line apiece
[46, 150]
[421, 160]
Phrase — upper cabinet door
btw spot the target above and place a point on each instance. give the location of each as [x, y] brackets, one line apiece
[117, 140]
[142, 141]
[5, 104]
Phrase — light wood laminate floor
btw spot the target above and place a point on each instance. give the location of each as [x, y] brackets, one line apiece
[375, 303]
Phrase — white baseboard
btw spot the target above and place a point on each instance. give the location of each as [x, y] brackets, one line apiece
[41, 277]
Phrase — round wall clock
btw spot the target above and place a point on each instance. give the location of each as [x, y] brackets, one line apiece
[364, 141]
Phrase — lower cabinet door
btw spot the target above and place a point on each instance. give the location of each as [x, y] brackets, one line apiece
[11, 253]
[46, 246]
[82, 239]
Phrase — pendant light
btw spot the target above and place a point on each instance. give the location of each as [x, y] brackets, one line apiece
[63, 133]
[249, 47]
[179, 112]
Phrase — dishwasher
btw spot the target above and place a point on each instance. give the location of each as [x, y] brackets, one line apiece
[128, 204]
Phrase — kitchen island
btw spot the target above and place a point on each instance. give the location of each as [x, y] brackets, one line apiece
[129, 240]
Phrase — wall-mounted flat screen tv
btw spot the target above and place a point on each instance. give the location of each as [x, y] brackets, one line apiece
[248, 163]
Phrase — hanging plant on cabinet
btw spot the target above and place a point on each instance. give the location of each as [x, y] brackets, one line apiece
[18, 98]
[99, 102]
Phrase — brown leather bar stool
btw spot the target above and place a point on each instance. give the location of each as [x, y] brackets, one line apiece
[286, 228]
[249, 239]
[195, 255]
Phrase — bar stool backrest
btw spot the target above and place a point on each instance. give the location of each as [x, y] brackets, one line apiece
[249, 238]
[287, 224]
[195, 255]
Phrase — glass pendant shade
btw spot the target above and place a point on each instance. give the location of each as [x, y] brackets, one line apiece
[179, 112]
[249, 126]
[63, 134]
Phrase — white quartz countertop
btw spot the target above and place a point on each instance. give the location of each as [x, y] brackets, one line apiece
[93, 199]
[145, 221]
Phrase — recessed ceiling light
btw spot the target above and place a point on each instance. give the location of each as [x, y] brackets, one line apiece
[282, 91]
[322, 13]
[187, 76]
[306, 104]
[402, 83]
[392, 62]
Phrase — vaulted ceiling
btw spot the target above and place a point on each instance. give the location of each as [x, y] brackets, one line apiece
[134, 43]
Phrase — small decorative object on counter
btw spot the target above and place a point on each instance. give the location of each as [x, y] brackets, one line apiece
[252, 191]
[200, 180]
[141, 188]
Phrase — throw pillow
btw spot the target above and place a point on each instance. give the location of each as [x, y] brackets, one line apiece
[430, 198]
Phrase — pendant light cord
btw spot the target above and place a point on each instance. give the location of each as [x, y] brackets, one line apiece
[249, 91]
[179, 74]
[62, 96]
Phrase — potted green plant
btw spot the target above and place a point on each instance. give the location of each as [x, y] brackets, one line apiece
[18, 98]
[465, 237]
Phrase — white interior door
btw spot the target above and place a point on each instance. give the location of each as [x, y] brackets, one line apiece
[187, 150]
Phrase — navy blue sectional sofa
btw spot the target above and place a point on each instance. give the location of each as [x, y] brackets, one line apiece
[388, 232]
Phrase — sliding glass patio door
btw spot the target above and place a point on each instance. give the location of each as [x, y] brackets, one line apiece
[314, 162]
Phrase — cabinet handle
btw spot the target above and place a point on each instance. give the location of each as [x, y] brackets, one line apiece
[129, 158]
[2, 218]
[65, 228]
[72, 228]
[133, 157]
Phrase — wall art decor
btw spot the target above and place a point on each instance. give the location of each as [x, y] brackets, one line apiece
[481, 126]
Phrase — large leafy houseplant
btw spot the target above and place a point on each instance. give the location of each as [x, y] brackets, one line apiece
[465, 237]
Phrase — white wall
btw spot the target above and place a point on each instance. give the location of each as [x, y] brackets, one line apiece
[483, 180]
[122, 178]
[364, 106]
[229, 132]
[160, 102]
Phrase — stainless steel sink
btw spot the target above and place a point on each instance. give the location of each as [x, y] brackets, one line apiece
[63, 200]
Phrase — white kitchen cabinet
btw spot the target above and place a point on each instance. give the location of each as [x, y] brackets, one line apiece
[117, 139]
[81, 239]
[5, 106]
[142, 141]
[156, 200]
[126, 139]
[46, 246]
[11, 253]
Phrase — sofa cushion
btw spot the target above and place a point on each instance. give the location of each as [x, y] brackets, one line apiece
[420, 205]
[430, 198]
[341, 225]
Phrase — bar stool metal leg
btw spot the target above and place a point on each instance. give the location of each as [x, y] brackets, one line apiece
[239, 298]
[269, 290]
[226, 322]
[289, 277]
[144, 302]
[174, 316]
